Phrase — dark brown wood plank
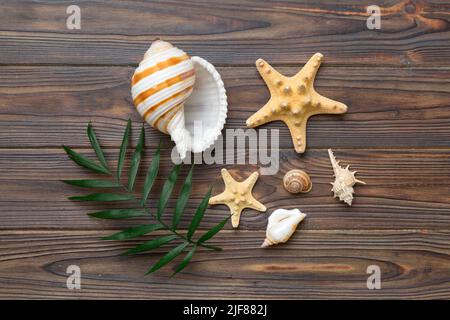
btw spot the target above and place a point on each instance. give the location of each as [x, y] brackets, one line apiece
[227, 32]
[313, 264]
[388, 107]
[405, 189]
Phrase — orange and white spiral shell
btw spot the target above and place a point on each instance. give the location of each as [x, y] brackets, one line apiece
[161, 84]
[174, 93]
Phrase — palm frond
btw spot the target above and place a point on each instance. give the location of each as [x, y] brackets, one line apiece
[135, 232]
[152, 173]
[139, 209]
[172, 254]
[182, 199]
[198, 216]
[135, 160]
[96, 146]
[123, 149]
[167, 190]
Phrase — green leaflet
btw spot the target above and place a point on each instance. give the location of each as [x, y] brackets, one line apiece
[167, 190]
[182, 199]
[198, 215]
[172, 254]
[136, 160]
[134, 232]
[84, 162]
[185, 261]
[211, 233]
[118, 214]
[93, 183]
[152, 244]
[123, 149]
[96, 146]
[151, 175]
[104, 197]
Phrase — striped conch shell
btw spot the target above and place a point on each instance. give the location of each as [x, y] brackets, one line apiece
[282, 225]
[180, 96]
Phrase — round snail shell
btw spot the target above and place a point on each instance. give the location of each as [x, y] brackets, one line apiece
[297, 181]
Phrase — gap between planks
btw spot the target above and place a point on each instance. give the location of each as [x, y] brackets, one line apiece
[223, 231]
[237, 65]
[377, 148]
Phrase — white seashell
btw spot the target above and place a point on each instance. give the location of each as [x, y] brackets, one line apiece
[344, 182]
[282, 225]
[180, 96]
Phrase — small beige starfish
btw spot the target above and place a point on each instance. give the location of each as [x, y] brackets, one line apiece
[238, 196]
[293, 100]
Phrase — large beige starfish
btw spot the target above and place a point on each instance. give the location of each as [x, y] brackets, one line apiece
[293, 100]
[238, 196]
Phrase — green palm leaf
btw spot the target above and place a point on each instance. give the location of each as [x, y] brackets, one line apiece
[104, 197]
[136, 160]
[151, 175]
[123, 149]
[118, 214]
[150, 245]
[198, 215]
[134, 232]
[96, 146]
[185, 261]
[182, 199]
[93, 183]
[211, 233]
[172, 254]
[84, 162]
[167, 190]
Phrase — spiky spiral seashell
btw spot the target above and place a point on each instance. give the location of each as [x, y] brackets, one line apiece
[344, 181]
[282, 225]
[297, 181]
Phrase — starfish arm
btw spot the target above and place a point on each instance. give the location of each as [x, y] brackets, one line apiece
[221, 198]
[326, 105]
[309, 71]
[227, 178]
[270, 76]
[250, 181]
[297, 128]
[235, 215]
[255, 204]
[264, 115]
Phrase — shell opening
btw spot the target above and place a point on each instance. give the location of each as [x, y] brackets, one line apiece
[205, 110]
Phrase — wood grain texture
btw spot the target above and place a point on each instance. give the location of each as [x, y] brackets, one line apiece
[405, 189]
[388, 107]
[227, 32]
[396, 82]
[315, 264]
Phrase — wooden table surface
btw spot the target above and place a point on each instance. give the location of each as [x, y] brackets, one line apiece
[396, 133]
